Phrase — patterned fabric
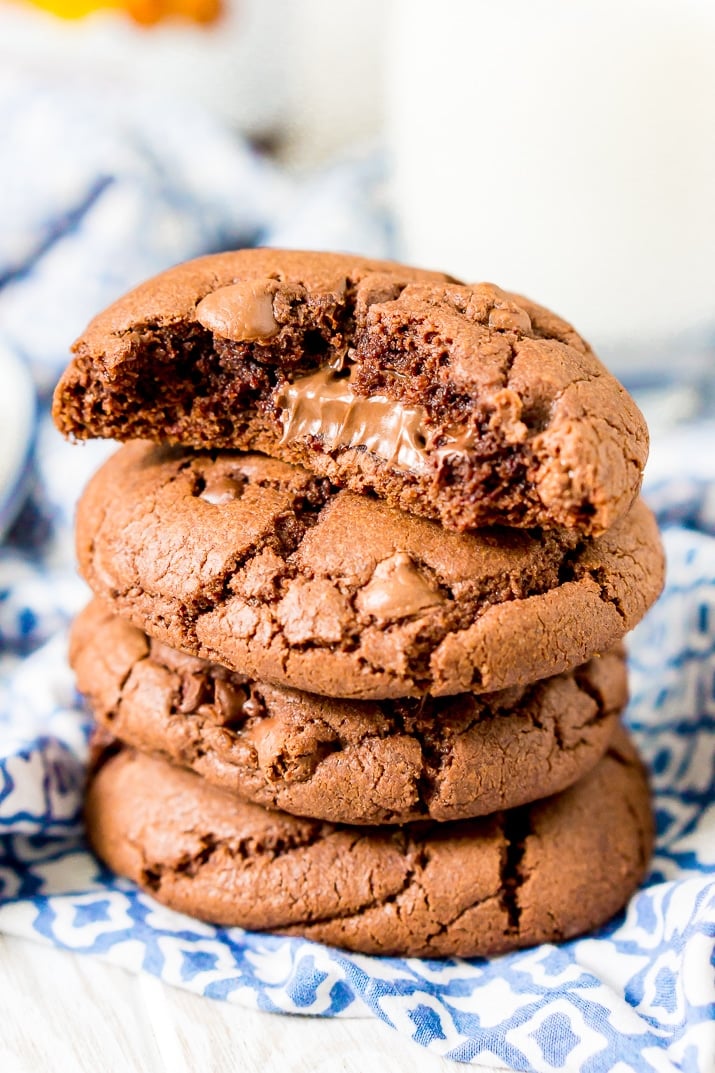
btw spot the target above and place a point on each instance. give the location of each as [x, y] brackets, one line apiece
[640, 994]
[102, 189]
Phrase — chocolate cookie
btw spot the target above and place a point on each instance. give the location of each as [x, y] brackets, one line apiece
[266, 569]
[343, 761]
[465, 404]
[544, 872]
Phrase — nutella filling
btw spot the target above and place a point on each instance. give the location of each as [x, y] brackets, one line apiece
[325, 405]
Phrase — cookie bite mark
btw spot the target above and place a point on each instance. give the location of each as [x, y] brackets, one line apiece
[465, 404]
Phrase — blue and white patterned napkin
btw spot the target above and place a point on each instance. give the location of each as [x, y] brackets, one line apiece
[639, 994]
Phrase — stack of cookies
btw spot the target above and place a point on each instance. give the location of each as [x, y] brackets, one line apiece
[361, 580]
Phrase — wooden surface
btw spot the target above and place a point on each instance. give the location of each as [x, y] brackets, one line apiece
[61, 1011]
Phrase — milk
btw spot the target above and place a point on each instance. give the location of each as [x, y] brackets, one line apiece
[564, 149]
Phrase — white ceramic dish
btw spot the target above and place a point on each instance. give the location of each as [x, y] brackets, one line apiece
[17, 429]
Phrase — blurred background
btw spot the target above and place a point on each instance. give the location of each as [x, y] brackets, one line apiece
[561, 148]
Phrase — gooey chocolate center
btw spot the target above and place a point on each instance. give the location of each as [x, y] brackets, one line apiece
[324, 404]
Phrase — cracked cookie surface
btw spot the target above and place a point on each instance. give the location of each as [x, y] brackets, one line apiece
[465, 404]
[541, 873]
[269, 570]
[346, 761]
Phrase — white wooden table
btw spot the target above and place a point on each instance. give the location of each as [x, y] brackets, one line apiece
[66, 1012]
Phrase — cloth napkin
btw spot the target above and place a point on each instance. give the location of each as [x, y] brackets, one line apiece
[99, 191]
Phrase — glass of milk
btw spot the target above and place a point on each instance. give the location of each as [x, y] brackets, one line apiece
[565, 149]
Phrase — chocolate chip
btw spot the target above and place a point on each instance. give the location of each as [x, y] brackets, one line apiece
[229, 700]
[222, 489]
[194, 689]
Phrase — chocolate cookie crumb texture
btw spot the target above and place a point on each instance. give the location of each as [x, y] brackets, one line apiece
[545, 872]
[274, 573]
[346, 761]
[464, 404]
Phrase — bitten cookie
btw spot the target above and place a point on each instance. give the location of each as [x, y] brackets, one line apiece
[542, 873]
[264, 568]
[347, 762]
[464, 404]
